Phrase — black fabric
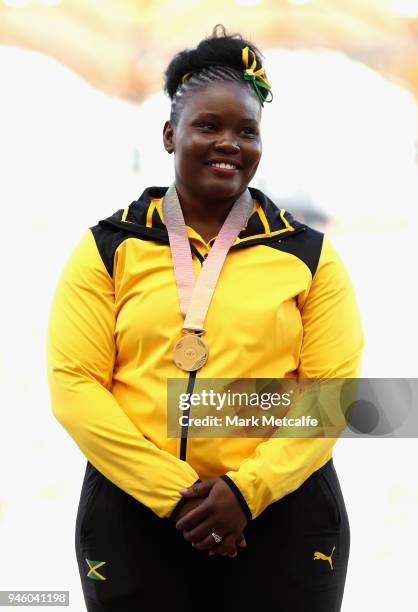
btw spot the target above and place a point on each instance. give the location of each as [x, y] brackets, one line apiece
[306, 246]
[107, 242]
[149, 567]
[239, 496]
[138, 211]
[109, 233]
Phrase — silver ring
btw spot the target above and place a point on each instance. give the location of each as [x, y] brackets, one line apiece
[216, 537]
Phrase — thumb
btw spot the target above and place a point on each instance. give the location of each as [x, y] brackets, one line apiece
[242, 542]
[199, 489]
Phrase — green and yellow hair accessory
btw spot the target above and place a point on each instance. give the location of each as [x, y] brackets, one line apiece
[250, 74]
[185, 76]
[256, 76]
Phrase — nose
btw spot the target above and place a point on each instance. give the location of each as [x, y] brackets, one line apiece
[227, 142]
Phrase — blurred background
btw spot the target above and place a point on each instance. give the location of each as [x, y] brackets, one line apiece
[81, 118]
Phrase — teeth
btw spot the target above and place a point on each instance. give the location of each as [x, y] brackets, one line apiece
[223, 165]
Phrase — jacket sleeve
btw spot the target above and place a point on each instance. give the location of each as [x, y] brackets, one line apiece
[80, 359]
[331, 348]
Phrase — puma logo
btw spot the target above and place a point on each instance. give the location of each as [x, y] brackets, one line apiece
[319, 555]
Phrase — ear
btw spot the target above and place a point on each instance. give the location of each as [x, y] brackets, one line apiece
[168, 137]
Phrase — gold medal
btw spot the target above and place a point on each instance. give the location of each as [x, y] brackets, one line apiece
[190, 353]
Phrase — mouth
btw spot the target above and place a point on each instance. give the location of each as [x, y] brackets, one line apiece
[223, 168]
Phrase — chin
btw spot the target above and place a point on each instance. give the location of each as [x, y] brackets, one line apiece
[223, 190]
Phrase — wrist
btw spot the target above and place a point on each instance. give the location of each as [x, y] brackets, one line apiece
[239, 496]
[177, 508]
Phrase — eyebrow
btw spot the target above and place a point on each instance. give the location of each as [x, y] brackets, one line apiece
[202, 114]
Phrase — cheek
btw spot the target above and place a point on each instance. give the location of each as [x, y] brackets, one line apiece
[182, 162]
[251, 173]
[189, 153]
[255, 159]
[258, 150]
[254, 153]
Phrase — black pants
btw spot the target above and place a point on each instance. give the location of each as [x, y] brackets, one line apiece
[130, 560]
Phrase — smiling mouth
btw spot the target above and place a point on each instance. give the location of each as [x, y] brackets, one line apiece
[223, 168]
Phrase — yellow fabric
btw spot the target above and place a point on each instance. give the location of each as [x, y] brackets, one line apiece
[331, 347]
[109, 355]
[250, 70]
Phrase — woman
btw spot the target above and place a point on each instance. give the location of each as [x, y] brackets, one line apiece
[203, 522]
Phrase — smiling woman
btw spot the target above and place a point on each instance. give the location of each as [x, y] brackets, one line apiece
[217, 147]
[205, 279]
[216, 142]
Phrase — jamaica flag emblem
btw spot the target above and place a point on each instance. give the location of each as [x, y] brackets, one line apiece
[93, 572]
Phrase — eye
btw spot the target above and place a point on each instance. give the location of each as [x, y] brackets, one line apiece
[250, 130]
[207, 124]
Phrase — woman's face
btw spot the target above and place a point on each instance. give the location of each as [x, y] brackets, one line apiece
[219, 122]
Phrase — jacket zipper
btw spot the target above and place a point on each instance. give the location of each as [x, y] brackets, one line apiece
[192, 375]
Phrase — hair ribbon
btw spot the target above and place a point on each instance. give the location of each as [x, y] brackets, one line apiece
[250, 74]
[255, 76]
[185, 76]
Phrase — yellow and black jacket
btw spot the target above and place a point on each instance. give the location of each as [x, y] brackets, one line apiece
[283, 307]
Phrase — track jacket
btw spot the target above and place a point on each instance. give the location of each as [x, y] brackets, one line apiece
[283, 307]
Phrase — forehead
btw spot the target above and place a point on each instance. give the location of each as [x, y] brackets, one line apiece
[223, 98]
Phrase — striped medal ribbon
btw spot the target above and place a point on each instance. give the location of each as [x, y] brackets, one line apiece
[190, 351]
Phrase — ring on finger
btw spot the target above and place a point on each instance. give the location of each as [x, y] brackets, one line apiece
[218, 538]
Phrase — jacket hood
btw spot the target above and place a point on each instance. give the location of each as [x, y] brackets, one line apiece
[143, 217]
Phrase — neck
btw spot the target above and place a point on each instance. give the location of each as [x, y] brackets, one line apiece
[207, 212]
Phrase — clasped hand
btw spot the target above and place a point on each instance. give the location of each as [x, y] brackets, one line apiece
[212, 507]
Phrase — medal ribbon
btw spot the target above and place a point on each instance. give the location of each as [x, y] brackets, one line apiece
[195, 295]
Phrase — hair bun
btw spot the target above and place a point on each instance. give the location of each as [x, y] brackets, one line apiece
[218, 49]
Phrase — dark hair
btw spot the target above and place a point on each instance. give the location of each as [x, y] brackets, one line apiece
[216, 58]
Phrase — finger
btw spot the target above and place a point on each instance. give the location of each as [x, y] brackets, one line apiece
[242, 542]
[213, 553]
[208, 542]
[225, 548]
[199, 489]
[193, 518]
[200, 532]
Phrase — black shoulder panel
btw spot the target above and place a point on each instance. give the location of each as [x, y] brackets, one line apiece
[306, 245]
[303, 241]
[107, 240]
